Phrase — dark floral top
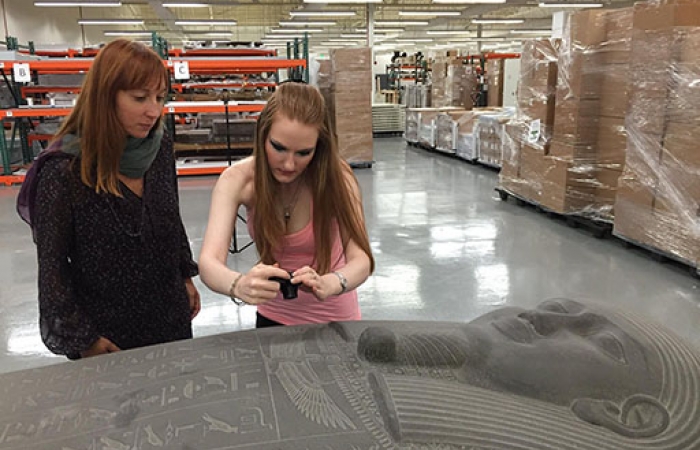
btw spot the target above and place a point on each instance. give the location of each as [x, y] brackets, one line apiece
[109, 266]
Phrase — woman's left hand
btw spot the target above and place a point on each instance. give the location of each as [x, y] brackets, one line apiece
[322, 286]
[193, 297]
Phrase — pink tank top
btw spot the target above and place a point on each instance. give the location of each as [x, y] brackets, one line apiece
[299, 250]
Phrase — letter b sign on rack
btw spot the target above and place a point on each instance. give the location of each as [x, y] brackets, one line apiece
[22, 73]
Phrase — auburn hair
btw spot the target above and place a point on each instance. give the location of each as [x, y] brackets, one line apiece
[119, 66]
[328, 177]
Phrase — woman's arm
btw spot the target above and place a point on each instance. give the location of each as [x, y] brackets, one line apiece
[64, 328]
[226, 199]
[233, 189]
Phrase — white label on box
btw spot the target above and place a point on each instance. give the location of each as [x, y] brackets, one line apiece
[535, 131]
[22, 74]
[182, 70]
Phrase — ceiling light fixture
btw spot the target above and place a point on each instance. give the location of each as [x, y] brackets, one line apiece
[110, 22]
[291, 30]
[205, 22]
[469, 2]
[382, 29]
[322, 13]
[186, 5]
[448, 32]
[78, 4]
[128, 33]
[498, 21]
[401, 23]
[429, 13]
[403, 41]
[523, 31]
[342, 1]
[300, 23]
[570, 5]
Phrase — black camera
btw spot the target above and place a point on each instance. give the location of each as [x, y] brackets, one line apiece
[289, 289]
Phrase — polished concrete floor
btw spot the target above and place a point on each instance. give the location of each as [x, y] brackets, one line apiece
[446, 249]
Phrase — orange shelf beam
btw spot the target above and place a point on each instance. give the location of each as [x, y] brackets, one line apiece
[199, 171]
[179, 109]
[195, 65]
[181, 86]
[9, 180]
[39, 137]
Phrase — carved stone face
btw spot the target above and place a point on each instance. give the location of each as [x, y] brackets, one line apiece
[559, 352]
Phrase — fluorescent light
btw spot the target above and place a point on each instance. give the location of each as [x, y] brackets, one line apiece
[342, 1]
[205, 22]
[215, 33]
[352, 35]
[401, 23]
[291, 30]
[448, 32]
[128, 33]
[382, 30]
[403, 41]
[531, 31]
[492, 21]
[300, 23]
[571, 5]
[110, 22]
[322, 13]
[78, 4]
[186, 5]
[468, 2]
[429, 13]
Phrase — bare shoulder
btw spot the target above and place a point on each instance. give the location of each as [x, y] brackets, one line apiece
[237, 180]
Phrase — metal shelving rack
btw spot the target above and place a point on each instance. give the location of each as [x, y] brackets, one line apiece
[199, 62]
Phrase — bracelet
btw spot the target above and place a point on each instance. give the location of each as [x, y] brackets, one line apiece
[232, 289]
[343, 282]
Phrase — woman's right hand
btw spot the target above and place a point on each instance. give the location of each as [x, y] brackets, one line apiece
[100, 347]
[255, 287]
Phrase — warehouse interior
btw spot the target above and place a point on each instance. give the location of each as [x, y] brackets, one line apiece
[546, 152]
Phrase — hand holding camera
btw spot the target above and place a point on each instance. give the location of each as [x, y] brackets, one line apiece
[289, 289]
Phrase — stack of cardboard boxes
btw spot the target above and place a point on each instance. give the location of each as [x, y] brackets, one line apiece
[659, 193]
[494, 80]
[576, 171]
[347, 86]
[452, 82]
[527, 137]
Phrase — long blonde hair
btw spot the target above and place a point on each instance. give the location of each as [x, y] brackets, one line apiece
[120, 65]
[326, 175]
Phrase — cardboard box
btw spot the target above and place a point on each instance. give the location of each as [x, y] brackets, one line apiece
[356, 59]
[615, 91]
[612, 141]
[588, 28]
[688, 45]
[576, 130]
[566, 188]
[670, 14]
[634, 208]
[572, 152]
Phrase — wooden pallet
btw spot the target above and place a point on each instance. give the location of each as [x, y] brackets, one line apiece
[600, 228]
[660, 255]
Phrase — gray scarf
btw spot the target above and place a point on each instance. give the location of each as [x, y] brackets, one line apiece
[137, 157]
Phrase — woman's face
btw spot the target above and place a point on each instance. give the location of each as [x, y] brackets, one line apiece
[290, 147]
[139, 109]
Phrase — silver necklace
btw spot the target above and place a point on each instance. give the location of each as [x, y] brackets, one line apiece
[288, 209]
